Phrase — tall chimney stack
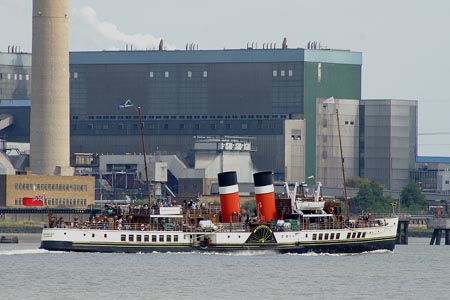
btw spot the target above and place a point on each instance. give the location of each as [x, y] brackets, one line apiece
[50, 108]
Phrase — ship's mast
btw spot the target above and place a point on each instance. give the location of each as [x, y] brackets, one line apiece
[141, 124]
[129, 103]
[342, 164]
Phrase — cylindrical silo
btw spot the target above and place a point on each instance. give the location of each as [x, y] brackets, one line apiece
[50, 124]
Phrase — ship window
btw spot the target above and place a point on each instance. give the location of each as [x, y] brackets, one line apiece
[105, 235]
[139, 238]
[326, 236]
[338, 235]
[320, 236]
[332, 236]
[363, 235]
[93, 235]
[130, 237]
[353, 235]
[359, 235]
[168, 238]
[314, 237]
[175, 238]
[161, 238]
[153, 238]
[146, 238]
[349, 235]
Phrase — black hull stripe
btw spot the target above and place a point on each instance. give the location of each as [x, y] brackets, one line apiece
[343, 247]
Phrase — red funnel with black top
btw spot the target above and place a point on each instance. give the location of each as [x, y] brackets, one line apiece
[229, 196]
[265, 196]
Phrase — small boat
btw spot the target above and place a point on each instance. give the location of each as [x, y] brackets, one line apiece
[9, 239]
[289, 223]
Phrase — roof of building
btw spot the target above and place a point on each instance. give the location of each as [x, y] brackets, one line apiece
[217, 56]
[433, 159]
[15, 59]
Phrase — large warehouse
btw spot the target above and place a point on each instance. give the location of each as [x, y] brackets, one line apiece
[206, 93]
[273, 96]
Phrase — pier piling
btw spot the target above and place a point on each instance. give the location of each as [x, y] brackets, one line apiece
[439, 224]
[402, 229]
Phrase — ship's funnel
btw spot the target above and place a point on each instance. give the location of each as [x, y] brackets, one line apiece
[265, 196]
[229, 196]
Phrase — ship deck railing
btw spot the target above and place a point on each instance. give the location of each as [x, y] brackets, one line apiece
[184, 211]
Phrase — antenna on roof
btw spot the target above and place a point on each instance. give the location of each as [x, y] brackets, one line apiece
[284, 45]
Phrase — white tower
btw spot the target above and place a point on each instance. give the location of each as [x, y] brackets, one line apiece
[50, 124]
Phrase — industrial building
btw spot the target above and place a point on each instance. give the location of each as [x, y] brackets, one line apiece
[243, 92]
[272, 96]
[388, 141]
[55, 191]
[432, 174]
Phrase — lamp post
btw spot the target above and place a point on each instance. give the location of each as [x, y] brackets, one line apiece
[128, 103]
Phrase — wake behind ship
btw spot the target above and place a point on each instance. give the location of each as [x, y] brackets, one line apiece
[292, 223]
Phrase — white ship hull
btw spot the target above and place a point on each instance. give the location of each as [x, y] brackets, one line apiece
[380, 235]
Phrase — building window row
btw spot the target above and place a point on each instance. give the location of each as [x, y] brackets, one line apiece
[283, 73]
[189, 74]
[184, 117]
[58, 201]
[50, 187]
[73, 75]
[10, 76]
[182, 126]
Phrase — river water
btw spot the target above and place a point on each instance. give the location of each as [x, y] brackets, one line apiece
[414, 271]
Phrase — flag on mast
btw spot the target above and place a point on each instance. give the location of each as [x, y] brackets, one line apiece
[328, 100]
[127, 103]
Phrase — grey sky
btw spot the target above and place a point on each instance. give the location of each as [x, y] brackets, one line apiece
[405, 43]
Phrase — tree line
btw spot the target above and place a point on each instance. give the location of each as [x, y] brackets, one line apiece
[370, 197]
